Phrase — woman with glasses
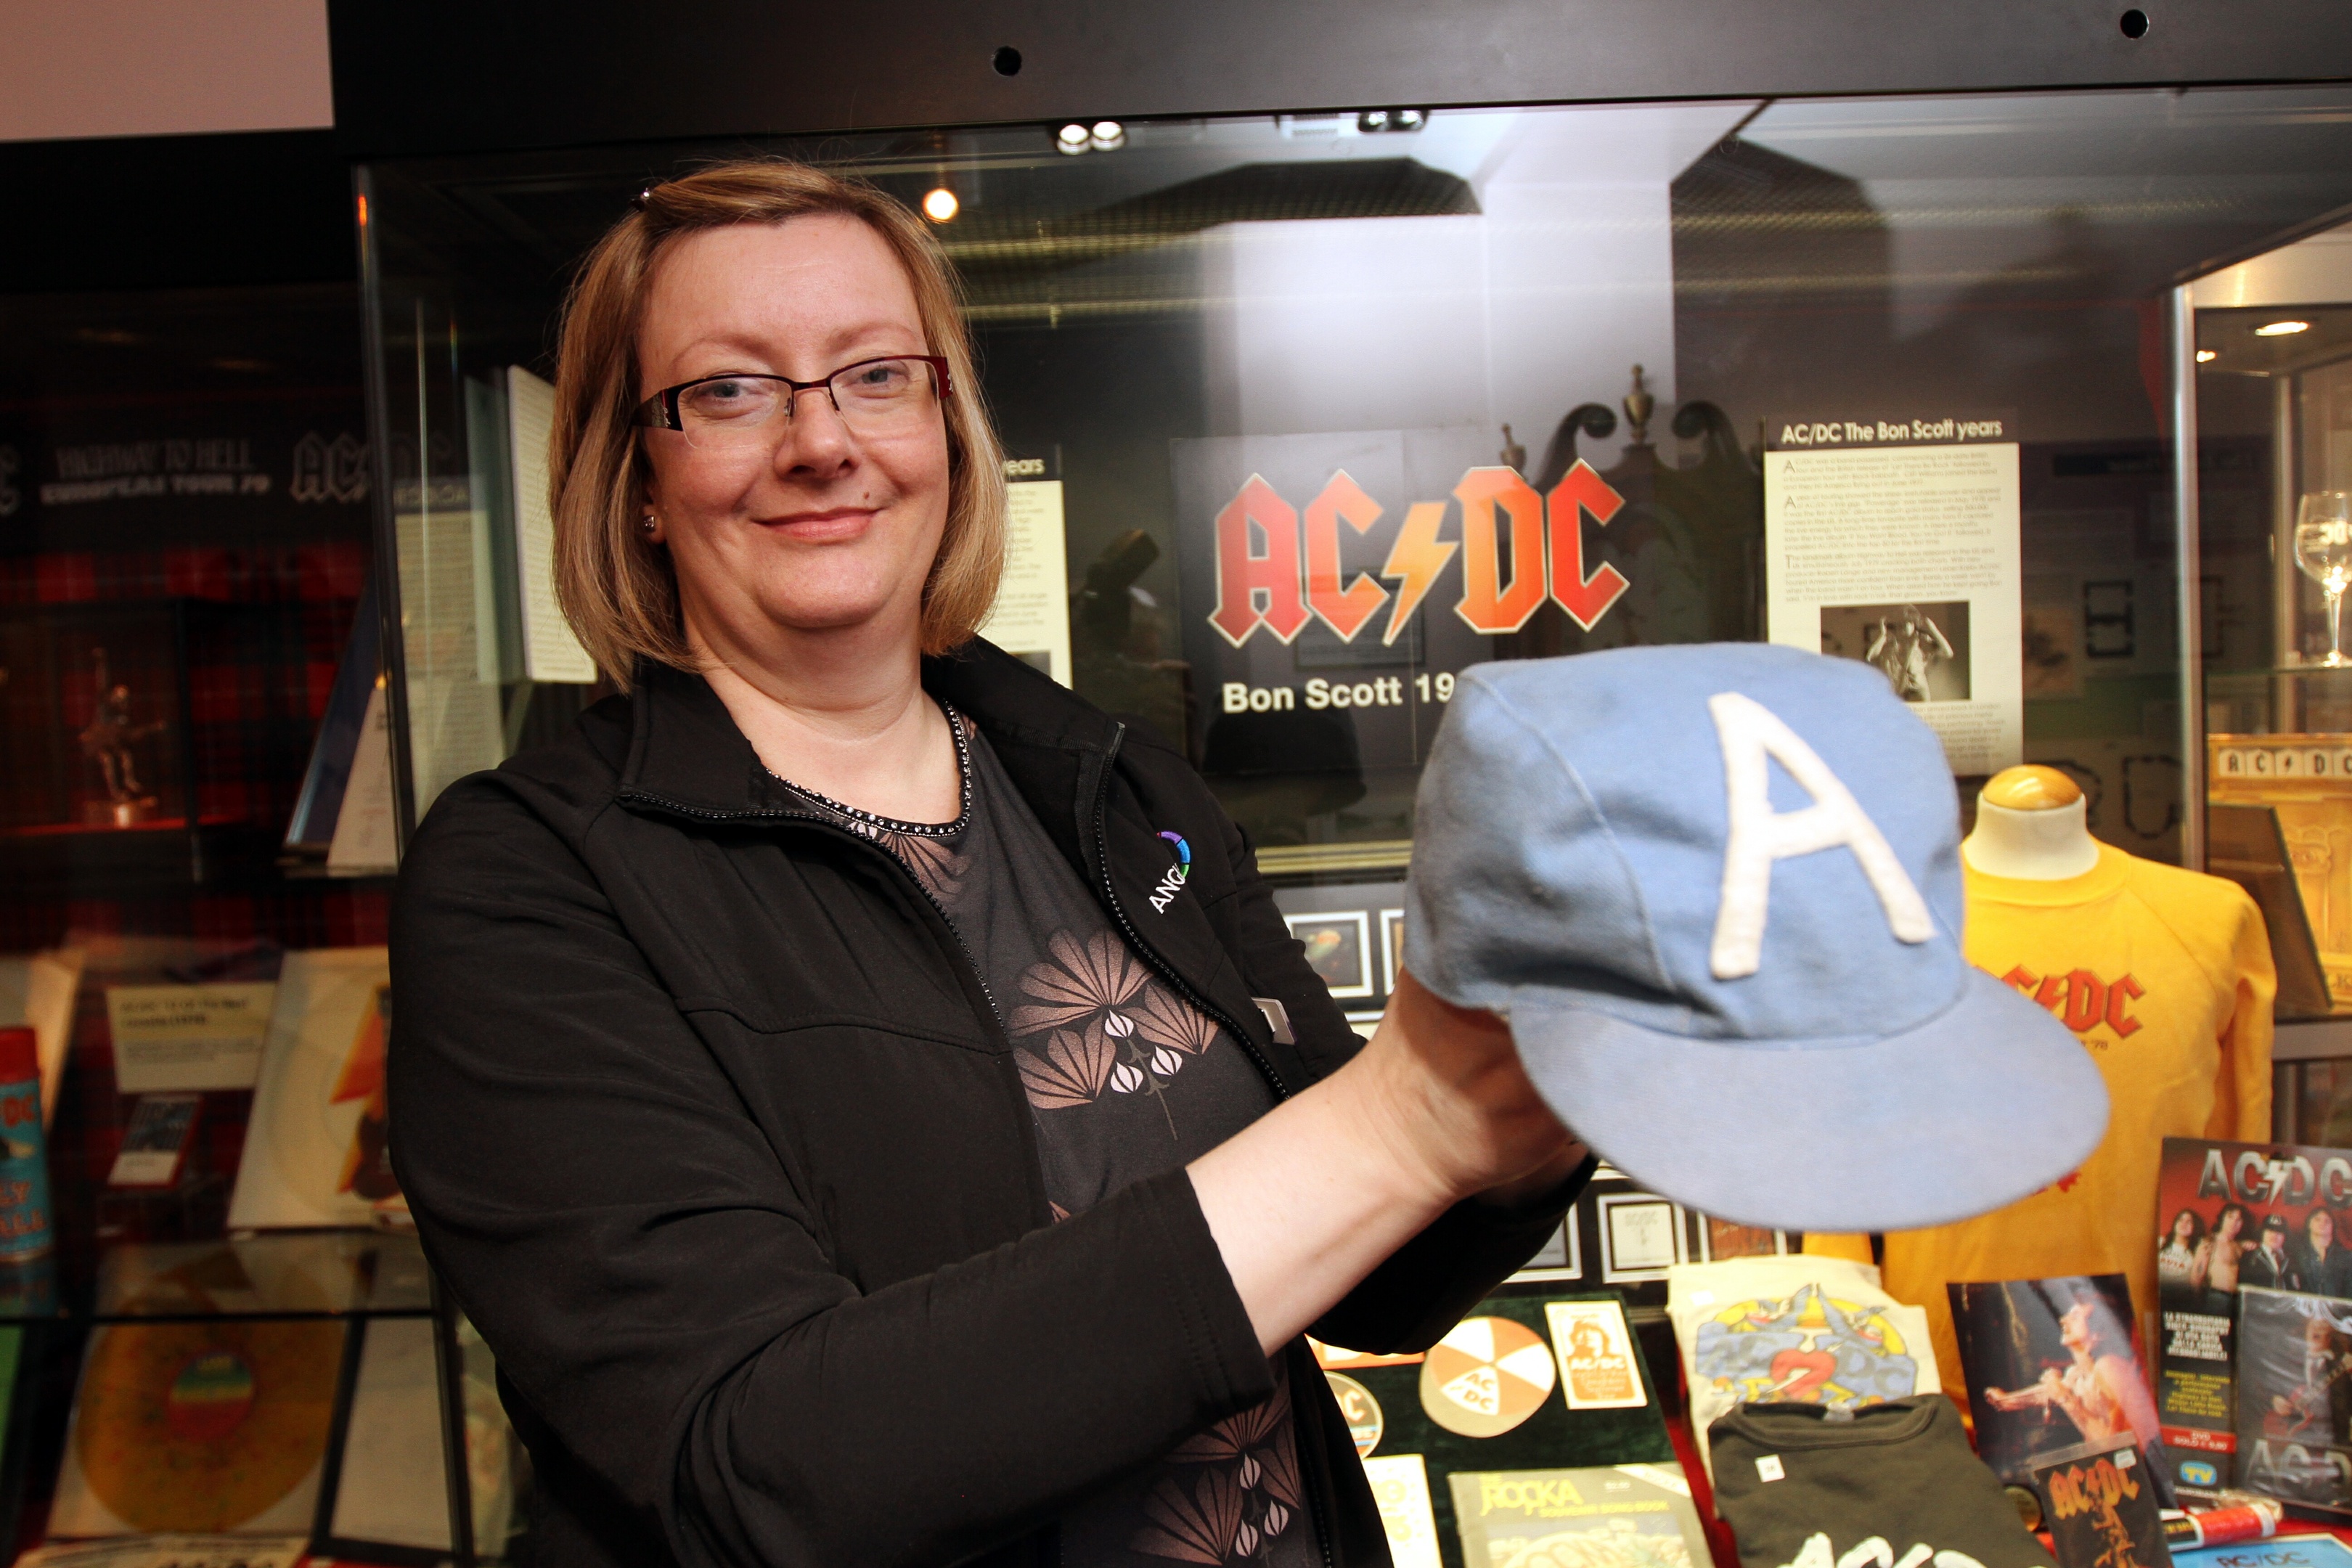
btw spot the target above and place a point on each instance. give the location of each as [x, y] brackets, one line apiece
[865, 1096]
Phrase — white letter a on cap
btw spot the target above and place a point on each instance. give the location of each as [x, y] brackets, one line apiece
[1751, 734]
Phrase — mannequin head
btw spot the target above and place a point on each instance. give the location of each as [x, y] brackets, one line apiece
[2032, 824]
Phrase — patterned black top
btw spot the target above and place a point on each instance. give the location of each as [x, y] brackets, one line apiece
[1126, 1080]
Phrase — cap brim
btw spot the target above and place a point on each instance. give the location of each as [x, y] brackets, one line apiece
[1985, 1102]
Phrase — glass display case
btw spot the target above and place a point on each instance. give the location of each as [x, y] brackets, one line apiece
[1308, 413]
[193, 1335]
[2273, 366]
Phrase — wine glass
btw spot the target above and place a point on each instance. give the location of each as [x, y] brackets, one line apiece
[2323, 548]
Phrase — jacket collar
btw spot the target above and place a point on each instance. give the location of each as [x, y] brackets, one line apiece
[686, 751]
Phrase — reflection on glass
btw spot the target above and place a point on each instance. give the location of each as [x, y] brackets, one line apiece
[2323, 548]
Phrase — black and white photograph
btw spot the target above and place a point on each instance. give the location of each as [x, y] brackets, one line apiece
[1921, 648]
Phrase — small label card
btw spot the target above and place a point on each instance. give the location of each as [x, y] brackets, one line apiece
[188, 1037]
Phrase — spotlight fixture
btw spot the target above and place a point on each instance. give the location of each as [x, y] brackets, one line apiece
[1108, 135]
[1073, 138]
[1373, 121]
[940, 205]
[2281, 329]
[1409, 120]
[2206, 356]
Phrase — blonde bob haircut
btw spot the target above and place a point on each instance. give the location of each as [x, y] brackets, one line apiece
[617, 587]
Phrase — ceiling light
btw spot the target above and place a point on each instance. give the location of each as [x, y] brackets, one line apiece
[2281, 329]
[1072, 138]
[1409, 119]
[940, 205]
[1108, 134]
[2206, 356]
[1372, 120]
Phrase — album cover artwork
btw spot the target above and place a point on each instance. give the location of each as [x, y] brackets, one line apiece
[2102, 1509]
[316, 1151]
[2050, 1366]
[2233, 1216]
[1625, 1516]
[2294, 1397]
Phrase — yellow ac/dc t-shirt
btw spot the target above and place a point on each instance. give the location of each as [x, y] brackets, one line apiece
[2165, 977]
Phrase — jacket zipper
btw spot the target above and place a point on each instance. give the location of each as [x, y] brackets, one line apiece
[1151, 955]
[1274, 1079]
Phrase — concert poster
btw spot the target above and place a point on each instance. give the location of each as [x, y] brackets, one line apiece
[2232, 1216]
[2052, 1365]
[2294, 1397]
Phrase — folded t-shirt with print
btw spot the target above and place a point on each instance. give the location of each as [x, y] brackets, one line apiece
[1891, 1485]
[1801, 1330]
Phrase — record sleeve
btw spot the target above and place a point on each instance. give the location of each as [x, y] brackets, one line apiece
[316, 1151]
[1625, 1516]
[2294, 1397]
[2052, 1365]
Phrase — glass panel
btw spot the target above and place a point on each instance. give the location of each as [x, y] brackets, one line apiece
[2274, 427]
[1301, 402]
[266, 1275]
[188, 649]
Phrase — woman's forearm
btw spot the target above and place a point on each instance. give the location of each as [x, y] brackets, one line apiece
[1311, 1197]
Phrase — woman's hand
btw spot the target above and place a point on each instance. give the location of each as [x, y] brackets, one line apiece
[1315, 1194]
[1462, 1107]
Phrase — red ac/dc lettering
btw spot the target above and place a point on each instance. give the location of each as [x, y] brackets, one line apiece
[2082, 999]
[1278, 571]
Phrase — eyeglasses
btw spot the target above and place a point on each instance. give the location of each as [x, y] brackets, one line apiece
[873, 397]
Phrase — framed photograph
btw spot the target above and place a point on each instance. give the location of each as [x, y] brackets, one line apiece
[1561, 1257]
[1339, 949]
[1391, 949]
[1640, 1236]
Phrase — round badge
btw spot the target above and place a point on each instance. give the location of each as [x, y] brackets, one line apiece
[1486, 1378]
[1359, 1410]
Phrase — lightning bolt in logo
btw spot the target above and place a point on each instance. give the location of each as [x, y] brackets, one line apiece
[1417, 557]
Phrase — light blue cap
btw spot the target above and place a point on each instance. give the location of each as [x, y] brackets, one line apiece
[1774, 1024]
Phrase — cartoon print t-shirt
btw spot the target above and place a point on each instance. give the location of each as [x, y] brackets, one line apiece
[1808, 1331]
[1126, 1080]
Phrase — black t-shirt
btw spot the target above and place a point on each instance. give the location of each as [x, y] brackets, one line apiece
[1895, 1487]
[1126, 1080]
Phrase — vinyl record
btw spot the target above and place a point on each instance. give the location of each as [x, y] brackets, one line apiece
[203, 1427]
[1486, 1376]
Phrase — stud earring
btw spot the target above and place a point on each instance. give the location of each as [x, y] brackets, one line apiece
[648, 525]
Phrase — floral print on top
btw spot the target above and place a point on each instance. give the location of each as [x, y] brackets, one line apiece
[1125, 1079]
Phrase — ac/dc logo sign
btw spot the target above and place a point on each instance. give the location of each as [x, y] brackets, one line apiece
[1277, 571]
[2082, 999]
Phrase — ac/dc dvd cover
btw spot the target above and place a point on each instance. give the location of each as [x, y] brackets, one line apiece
[2294, 1397]
[2271, 1215]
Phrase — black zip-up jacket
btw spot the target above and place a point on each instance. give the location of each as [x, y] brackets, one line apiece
[713, 1128]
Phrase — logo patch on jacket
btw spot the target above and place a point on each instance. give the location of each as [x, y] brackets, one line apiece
[1173, 879]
